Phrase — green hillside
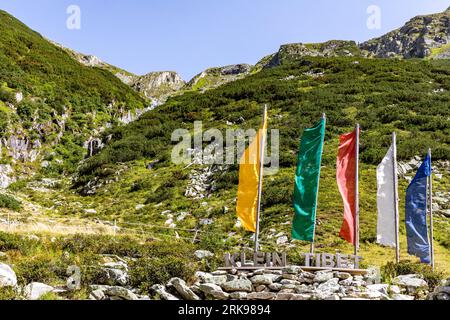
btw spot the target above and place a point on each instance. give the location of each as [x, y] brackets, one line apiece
[55, 88]
[130, 200]
[382, 95]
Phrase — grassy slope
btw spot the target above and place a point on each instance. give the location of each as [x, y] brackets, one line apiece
[53, 83]
[383, 95]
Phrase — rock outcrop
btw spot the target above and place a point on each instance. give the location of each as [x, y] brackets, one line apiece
[295, 51]
[158, 85]
[215, 77]
[421, 37]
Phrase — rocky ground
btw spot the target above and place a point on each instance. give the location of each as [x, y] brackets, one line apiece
[290, 283]
[293, 283]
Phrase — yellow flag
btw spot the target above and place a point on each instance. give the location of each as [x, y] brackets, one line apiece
[247, 199]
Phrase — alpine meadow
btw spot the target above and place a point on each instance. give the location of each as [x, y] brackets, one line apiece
[87, 177]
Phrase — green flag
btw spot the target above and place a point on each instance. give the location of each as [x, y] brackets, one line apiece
[307, 182]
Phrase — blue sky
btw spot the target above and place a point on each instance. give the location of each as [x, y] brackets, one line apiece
[189, 36]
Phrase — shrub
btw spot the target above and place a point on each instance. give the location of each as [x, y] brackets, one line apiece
[9, 202]
[162, 261]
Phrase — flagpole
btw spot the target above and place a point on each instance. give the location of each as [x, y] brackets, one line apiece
[430, 195]
[356, 227]
[261, 167]
[311, 249]
[394, 160]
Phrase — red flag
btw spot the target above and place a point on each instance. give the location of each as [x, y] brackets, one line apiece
[346, 180]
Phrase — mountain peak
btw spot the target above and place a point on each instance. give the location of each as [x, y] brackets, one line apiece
[421, 37]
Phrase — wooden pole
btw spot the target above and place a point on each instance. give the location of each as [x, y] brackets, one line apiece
[261, 171]
[394, 160]
[356, 227]
[430, 195]
[311, 249]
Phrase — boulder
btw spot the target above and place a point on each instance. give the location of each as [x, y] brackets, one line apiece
[97, 295]
[115, 273]
[383, 288]
[264, 279]
[330, 286]
[8, 277]
[394, 289]
[301, 296]
[183, 289]
[238, 295]
[284, 296]
[205, 277]
[162, 292]
[275, 286]
[440, 293]
[203, 254]
[292, 270]
[323, 276]
[35, 290]
[214, 291]
[261, 296]
[412, 282]
[238, 285]
[120, 292]
[402, 297]
[342, 275]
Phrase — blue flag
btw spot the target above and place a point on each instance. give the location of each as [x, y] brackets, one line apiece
[416, 213]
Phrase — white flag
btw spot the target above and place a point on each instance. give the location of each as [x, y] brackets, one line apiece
[385, 201]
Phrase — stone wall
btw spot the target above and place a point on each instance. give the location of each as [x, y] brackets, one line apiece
[293, 283]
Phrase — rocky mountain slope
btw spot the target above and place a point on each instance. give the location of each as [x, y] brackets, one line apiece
[51, 105]
[80, 145]
[421, 37]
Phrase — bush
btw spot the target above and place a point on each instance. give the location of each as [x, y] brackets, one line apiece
[163, 261]
[392, 270]
[9, 241]
[9, 202]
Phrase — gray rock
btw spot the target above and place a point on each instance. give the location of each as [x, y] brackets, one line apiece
[346, 282]
[284, 296]
[323, 276]
[265, 279]
[203, 254]
[383, 288]
[394, 289]
[35, 290]
[261, 288]
[303, 289]
[261, 296]
[238, 295]
[372, 295]
[118, 292]
[97, 295]
[342, 275]
[301, 296]
[442, 296]
[292, 270]
[214, 291]
[412, 282]
[331, 286]
[275, 286]
[209, 278]
[402, 297]
[8, 277]
[161, 291]
[116, 273]
[238, 285]
[183, 289]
